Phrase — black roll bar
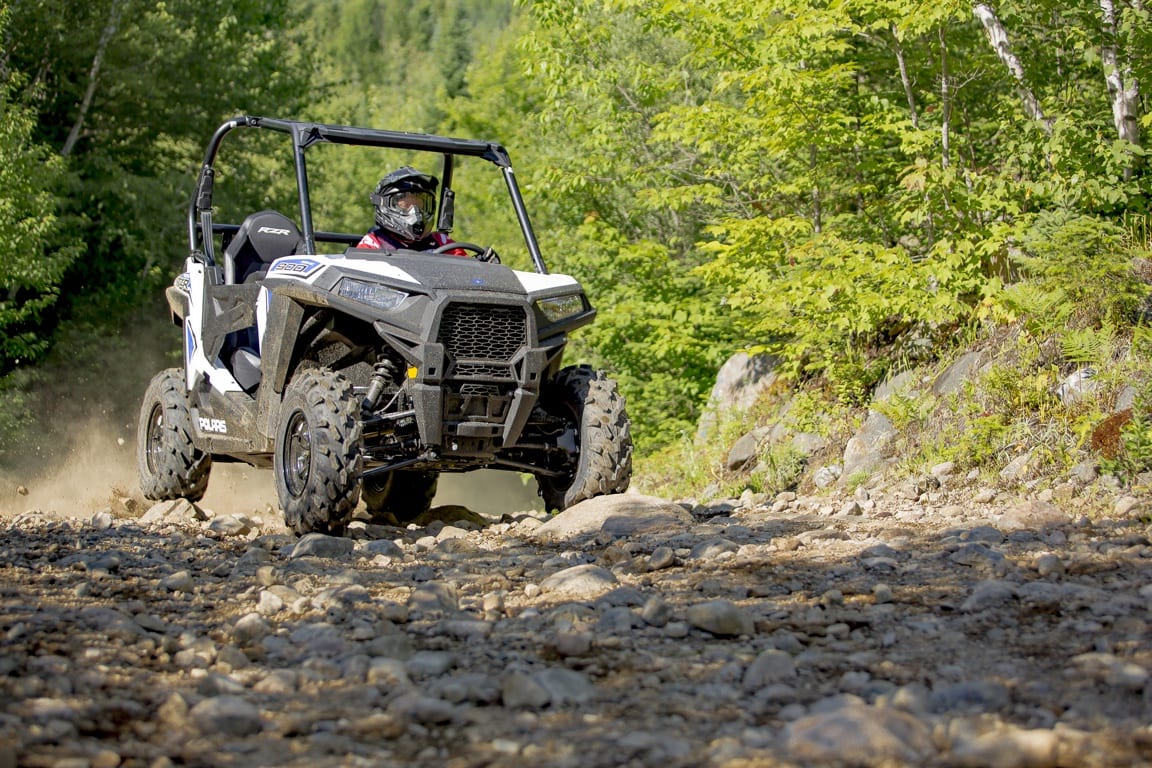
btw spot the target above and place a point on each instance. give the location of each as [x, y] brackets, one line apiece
[306, 134]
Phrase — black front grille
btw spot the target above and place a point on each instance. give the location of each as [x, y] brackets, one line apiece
[487, 332]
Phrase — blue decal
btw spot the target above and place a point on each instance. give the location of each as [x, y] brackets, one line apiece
[190, 340]
[477, 281]
[295, 267]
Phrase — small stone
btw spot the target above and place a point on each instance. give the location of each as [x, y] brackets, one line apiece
[250, 628]
[522, 691]
[573, 643]
[181, 581]
[580, 582]
[1049, 564]
[988, 594]
[378, 725]
[230, 525]
[657, 612]
[321, 545]
[720, 617]
[661, 558]
[770, 667]
[984, 496]
[226, 715]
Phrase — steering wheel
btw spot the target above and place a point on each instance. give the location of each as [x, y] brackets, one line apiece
[481, 253]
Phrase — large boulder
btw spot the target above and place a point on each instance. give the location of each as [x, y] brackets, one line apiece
[741, 380]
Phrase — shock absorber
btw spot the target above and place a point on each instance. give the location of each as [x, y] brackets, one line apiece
[383, 374]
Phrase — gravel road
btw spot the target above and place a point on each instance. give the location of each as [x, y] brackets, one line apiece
[883, 628]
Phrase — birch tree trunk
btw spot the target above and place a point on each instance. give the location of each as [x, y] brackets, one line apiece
[1122, 86]
[93, 77]
[998, 37]
[909, 93]
[945, 104]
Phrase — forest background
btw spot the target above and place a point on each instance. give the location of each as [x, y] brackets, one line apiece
[852, 186]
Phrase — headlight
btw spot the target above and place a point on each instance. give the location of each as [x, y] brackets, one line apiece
[372, 294]
[561, 307]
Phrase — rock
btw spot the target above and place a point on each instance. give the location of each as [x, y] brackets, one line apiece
[1017, 470]
[881, 734]
[770, 667]
[321, 545]
[434, 597]
[720, 617]
[869, 447]
[580, 582]
[971, 696]
[523, 691]
[988, 594]
[1034, 515]
[826, 476]
[619, 515]
[657, 611]
[178, 511]
[1007, 747]
[226, 715]
[745, 449]
[250, 628]
[739, 383]
[230, 525]
[564, 686]
[1078, 385]
[954, 376]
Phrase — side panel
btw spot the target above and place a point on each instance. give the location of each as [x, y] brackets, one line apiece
[198, 366]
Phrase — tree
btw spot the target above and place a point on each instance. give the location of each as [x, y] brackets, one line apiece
[34, 253]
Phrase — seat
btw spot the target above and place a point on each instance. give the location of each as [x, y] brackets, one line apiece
[262, 238]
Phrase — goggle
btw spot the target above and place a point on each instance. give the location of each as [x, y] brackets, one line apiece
[406, 200]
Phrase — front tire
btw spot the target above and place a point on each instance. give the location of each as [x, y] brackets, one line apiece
[318, 453]
[167, 462]
[403, 495]
[590, 401]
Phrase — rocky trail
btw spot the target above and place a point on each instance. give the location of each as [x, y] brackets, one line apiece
[882, 628]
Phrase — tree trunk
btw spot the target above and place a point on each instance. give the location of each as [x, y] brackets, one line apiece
[93, 77]
[998, 37]
[909, 93]
[945, 104]
[1122, 86]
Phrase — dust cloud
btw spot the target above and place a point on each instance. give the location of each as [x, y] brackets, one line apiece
[98, 471]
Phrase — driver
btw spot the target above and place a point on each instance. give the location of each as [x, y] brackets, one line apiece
[405, 202]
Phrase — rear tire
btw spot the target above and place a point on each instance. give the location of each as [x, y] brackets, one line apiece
[399, 494]
[318, 453]
[590, 401]
[167, 462]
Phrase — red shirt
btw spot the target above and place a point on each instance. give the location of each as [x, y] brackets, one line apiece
[379, 240]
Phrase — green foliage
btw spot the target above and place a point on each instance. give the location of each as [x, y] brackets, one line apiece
[1080, 261]
[779, 469]
[107, 107]
[34, 253]
[848, 185]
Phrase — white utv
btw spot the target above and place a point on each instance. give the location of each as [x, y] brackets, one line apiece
[364, 374]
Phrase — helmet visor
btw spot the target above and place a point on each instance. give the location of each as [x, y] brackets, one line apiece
[407, 202]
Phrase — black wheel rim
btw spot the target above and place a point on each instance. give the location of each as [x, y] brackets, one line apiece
[155, 447]
[297, 463]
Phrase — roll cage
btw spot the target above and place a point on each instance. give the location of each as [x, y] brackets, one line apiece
[306, 134]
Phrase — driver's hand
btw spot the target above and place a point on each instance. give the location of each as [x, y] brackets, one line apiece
[489, 256]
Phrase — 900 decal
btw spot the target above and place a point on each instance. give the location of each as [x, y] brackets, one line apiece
[219, 426]
[295, 267]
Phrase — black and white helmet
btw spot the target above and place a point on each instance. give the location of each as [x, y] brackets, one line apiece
[405, 203]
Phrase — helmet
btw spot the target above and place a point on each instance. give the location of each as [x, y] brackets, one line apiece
[405, 203]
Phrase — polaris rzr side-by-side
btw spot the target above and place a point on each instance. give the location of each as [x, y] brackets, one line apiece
[366, 373]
